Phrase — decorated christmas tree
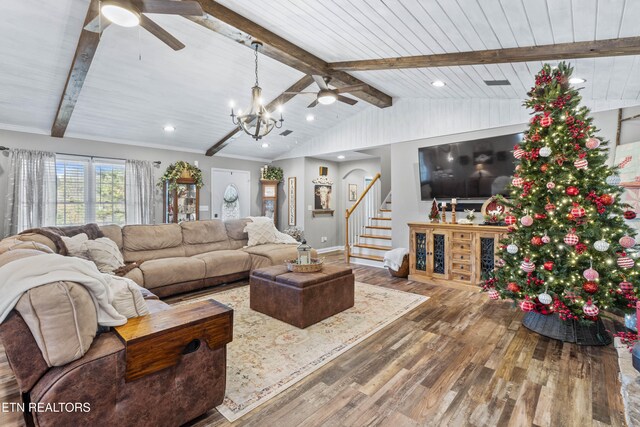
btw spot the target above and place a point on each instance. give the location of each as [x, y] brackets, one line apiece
[569, 250]
[434, 215]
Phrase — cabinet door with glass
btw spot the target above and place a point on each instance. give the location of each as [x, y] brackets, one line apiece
[429, 256]
[182, 203]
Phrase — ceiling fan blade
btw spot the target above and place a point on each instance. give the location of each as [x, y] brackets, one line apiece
[313, 104]
[95, 25]
[160, 33]
[347, 100]
[300, 93]
[186, 7]
[320, 82]
[354, 88]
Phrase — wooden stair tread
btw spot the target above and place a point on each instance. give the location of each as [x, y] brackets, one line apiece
[373, 236]
[379, 218]
[378, 227]
[369, 257]
[376, 247]
[385, 210]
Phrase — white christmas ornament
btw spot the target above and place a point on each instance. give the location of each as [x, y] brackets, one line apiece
[545, 298]
[581, 164]
[590, 309]
[545, 151]
[593, 143]
[512, 249]
[551, 185]
[527, 266]
[546, 239]
[601, 245]
[526, 220]
[590, 274]
[517, 182]
[625, 262]
[613, 180]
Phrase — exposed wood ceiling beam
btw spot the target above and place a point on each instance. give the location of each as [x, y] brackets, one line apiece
[242, 30]
[281, 99]
[589, 49]
[85, 51]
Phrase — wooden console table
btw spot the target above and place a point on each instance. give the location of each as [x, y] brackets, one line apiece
[452, 253]
[158, 340]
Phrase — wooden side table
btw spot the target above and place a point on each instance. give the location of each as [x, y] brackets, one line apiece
[158, 340]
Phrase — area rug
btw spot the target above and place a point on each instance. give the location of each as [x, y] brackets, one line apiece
[630, 379]
[268, 356]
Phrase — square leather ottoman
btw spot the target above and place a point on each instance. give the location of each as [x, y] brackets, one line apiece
[301, 299]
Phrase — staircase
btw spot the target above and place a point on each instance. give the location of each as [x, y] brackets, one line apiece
[368, 231]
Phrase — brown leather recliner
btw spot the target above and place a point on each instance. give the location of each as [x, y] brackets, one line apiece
[96, 384]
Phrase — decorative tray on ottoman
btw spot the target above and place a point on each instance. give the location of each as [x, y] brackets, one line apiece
[315, 266]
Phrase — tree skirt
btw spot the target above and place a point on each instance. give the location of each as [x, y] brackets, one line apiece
[630, 379]
[268, 356]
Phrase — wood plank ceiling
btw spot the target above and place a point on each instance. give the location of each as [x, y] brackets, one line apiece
[127, 99]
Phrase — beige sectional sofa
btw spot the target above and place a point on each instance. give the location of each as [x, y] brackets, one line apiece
[177, 258]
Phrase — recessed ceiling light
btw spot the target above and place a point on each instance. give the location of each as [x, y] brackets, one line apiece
[265, 145]
[169, 128]
[438, 83]
[576, 80]
[310, 117]
[341, 157]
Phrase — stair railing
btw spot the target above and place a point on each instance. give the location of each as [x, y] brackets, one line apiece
[356, 216]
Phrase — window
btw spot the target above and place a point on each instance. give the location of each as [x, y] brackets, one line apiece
[89, 190]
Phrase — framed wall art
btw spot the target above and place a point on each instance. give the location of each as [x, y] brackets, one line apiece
[291, 200]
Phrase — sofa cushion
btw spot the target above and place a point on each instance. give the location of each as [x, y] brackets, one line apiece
[135, 275]
[146, 242]
[62, 319]
[38, 238]
[221, 263]
[204, 236]
[167, 271]
[235, 228]
[275, 253]
[14, 243]
[105, 254]
[113, 232]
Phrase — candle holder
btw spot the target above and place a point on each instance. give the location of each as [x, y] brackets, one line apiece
[453, 213]
[444, 214]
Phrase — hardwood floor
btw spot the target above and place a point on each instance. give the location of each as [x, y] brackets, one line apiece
[458, 359]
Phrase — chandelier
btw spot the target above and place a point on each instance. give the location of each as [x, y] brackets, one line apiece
[256, 122]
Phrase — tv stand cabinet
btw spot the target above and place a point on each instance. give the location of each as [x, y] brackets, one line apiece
[452, 253]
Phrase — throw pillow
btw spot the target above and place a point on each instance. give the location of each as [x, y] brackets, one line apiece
[105, 254]
[127, 297]
[76, 245]
[260, 232]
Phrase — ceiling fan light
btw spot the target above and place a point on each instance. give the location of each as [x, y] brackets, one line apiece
[120, 15]
[326, 97]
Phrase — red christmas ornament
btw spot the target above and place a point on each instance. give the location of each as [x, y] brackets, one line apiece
[510, 220]
[544, 167]
[513, 287]
[546, 121]
[625, 262]
[571, 238]
[606, 199]
[577, 211]
[590, 309]
[537, 241]
[549, 207]
[590, 287]
[493, 294]
[517, 181]
[572, 191]
[548, 265]
[540, 216]
[527, 305]
[626, 286]
[629, 214]
[518, 153]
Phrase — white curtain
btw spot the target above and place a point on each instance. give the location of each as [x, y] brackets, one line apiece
[139, 192]
[31, 196]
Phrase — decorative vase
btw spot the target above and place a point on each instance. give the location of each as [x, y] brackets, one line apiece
[631, 321]
[581, 333]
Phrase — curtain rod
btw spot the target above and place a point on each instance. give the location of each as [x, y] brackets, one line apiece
[157, 162]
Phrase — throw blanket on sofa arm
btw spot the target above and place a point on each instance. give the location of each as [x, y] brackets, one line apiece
[109, 293]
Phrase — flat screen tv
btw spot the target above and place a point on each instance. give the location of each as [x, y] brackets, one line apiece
[469, 170]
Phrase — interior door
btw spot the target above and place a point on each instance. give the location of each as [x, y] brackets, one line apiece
[220, 180]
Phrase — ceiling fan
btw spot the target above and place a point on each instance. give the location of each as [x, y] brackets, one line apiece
[130, 13]
[327, 96]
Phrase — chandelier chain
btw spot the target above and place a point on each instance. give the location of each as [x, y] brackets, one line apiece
[256, 60]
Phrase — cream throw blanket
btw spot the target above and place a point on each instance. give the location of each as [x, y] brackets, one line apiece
[111, 295]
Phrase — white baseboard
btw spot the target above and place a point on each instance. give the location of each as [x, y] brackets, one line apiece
[330, 249]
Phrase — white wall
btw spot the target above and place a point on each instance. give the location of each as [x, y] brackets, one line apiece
[31, 141]
[407, 205]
